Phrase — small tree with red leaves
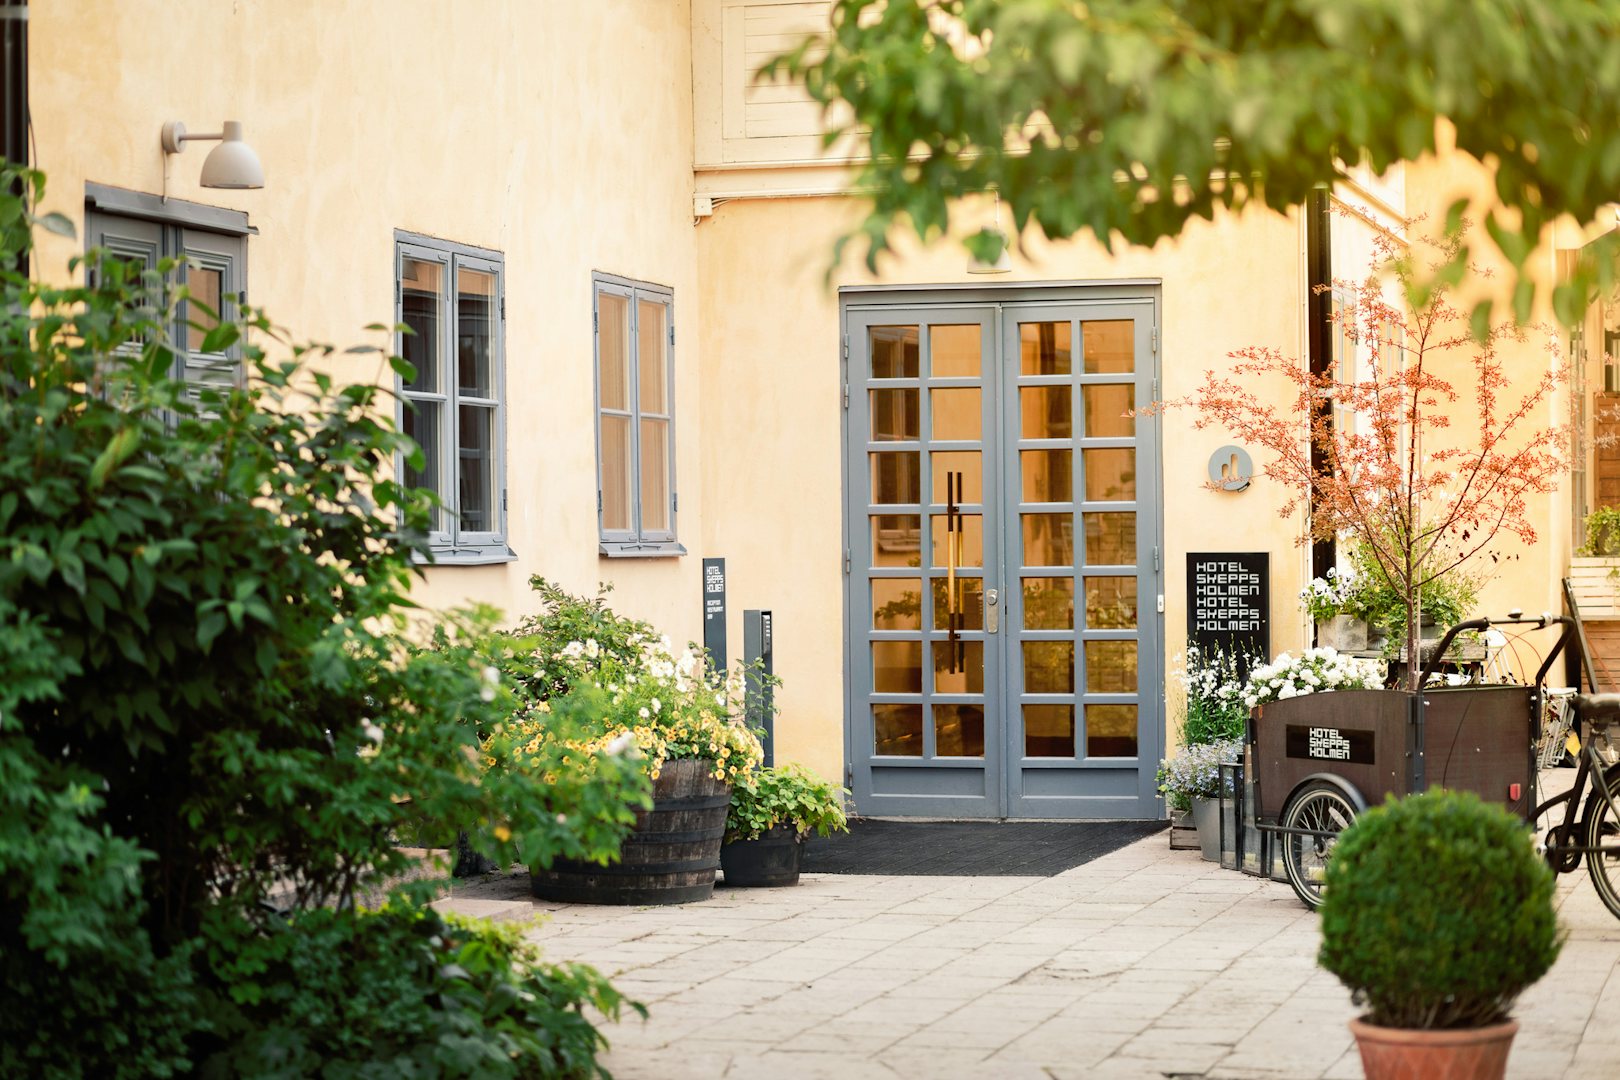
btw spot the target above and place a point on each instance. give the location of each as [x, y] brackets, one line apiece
[1424, 479]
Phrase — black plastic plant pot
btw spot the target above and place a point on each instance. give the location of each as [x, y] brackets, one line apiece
[769, 862]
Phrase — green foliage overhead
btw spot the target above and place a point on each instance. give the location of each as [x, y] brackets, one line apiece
[1128, 119]
[1437, 912]
[784, 794]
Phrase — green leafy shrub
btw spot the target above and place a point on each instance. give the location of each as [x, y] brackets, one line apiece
[1211, 682]
[401, 992]
[1437, 912]
[1602, 532]
[789, 794]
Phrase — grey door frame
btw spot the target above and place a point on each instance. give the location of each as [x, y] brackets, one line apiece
[1144, 292]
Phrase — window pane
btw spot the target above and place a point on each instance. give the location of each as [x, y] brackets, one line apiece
[615, 472]
[894, 356]
[612, 349]
[1048, 667]
[1048, 539]
[969, 466]
[1105, 408]
[206, 285]
[972, 553]
[1048, 412]
[897, 730]
[968, 678]
[1049, 731]
[969, 599]
[652, 338]
[894, 415]
[475, 323]
[897, 667]
[422, 424]
[1110, 539]
[896, 540]
[896, 604]
[476, 464]
[959, 731]
[955, 413]
[421, 299]
[1110, 667]
[655, 476]
[1110, 730]
[1111, 603]
[1048, 603]
[955, 351]
[1044, 348]
[1110, 347]
[1110, 474]
[896, 478]
[1048, 475]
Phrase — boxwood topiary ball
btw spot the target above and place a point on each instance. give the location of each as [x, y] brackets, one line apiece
[1437, 912]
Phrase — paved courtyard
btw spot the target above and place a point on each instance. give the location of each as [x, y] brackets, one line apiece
[1145, 963]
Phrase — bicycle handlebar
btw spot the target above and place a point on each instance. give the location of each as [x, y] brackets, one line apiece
[1514, 618]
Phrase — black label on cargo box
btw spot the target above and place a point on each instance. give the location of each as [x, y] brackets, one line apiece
[1320, 743]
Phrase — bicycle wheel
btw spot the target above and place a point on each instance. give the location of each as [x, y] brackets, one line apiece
[1603, 827]
[1323, 809]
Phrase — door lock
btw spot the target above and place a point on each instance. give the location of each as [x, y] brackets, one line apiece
[992, 611]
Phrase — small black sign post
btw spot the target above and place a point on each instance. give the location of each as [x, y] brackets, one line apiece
[1229, 603]
[760, 706]
[714, 612]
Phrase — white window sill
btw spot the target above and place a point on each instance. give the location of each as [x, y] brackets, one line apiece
[467, 557]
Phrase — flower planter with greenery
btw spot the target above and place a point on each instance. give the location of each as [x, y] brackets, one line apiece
[1437, 914]
[772, 812]
[1193, 778]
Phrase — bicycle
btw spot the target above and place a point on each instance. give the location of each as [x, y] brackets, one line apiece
[1595, 834]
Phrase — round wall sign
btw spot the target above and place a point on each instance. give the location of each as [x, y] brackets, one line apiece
[1231, 468]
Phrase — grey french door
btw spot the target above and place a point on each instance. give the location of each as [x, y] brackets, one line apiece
[1003, 586]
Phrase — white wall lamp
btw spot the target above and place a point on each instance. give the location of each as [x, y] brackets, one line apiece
[231, 164]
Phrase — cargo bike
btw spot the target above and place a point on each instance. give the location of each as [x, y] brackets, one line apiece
[1318, 761]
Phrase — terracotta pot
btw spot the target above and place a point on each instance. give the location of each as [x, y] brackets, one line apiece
[1406, 1054]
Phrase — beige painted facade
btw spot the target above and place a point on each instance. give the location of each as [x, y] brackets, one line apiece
[622, 137]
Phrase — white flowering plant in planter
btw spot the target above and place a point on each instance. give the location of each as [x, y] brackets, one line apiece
[1312, 671]
[1195, 771]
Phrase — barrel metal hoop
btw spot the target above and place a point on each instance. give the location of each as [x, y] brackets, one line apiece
[692, 802]
[695, 836]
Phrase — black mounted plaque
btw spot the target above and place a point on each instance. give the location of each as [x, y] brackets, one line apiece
[1229, 602]
[714, 611]
[1322, 743]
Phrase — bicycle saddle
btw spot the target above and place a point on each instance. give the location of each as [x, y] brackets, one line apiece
[1599, 710]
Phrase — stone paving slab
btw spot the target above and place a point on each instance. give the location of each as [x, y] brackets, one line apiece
[1144, 964]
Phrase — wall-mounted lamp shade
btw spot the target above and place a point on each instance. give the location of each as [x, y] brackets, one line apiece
[231, 164]
[1001, 265]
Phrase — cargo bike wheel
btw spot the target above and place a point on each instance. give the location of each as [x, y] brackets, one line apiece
[1317, 812]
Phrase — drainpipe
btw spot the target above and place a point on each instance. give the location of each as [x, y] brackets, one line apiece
[14, 85]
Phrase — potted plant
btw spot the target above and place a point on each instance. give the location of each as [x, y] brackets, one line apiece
[772, 811]
[1193, 778]
[1594, 571]
[1331, 602]
[1437, 914]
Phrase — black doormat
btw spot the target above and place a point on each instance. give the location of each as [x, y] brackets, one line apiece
[970, 848]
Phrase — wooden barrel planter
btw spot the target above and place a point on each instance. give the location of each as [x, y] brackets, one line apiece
[669, 858]
[770, 861]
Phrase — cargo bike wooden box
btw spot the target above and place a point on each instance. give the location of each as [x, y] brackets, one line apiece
[1318, 761]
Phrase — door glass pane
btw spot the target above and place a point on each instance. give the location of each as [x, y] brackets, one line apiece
[1110, 603]
[475, 320]
[958, 730]
[1110, 667]
[894, 415]
[1110, 730]
[896, 539]
[897, 667]
[1044, 348]
[894, 352]
[1048, 603]
[476, 464]
[955, 413]
[613, 347]
[615, 472]
[652, 369]
[896, 477]
[1048, 412]
[1048, 539]
[206, 285]
[422, 423]
[1049, 731]
[966, 462]
[1105, 408]
[897, 603]
[1048, 475]
[968, 678]
[421, 298]
[1110, 539]
[1048, 667]
[955, 351]
[970, 602]
[972, 553]
[1110, 347]
[655, 475]
[897, 730]
[1110, 474]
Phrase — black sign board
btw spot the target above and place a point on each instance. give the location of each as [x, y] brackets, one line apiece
[714, 611]
[1229, 602]
[1329, 744]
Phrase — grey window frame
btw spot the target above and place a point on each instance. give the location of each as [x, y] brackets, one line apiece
[451, 545]
[636, 541]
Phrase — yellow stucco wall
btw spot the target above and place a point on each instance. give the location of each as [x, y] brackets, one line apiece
[557, 134]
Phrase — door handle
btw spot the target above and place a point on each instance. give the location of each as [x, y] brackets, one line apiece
[992, 611]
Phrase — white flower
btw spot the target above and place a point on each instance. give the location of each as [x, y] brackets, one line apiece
[720, 699]
[657, 706]
[574, 650]
[491, 675]
[592, 649]
[562, 819]
[373, 732]
[645, 715]
[619, 745]
[487, 693]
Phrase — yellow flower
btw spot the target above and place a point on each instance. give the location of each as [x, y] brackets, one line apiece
[502, 833]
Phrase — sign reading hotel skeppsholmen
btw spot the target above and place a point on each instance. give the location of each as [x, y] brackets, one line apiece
[1229, 602]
